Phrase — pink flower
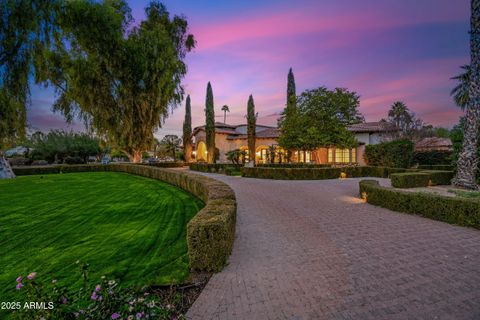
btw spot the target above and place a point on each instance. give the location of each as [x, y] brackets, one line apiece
[145, 294]
[140, 315]
[19, 286]
[94, 296]
[115, 315]
[32, 275]
[98, 288]
[64, 300]
[19, 279]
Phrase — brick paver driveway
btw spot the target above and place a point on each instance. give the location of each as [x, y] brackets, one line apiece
[311, 250]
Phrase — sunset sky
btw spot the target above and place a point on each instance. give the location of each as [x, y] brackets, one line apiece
[384, 50]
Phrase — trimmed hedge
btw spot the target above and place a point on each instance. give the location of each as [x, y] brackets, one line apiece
[213, 167]
[395, 154]
[320, 173]
[440, 177]
[167, 164]
[437, 167]
[432, 157]
[464, 212]
[410, 179]
[210, 233]
[293, 165]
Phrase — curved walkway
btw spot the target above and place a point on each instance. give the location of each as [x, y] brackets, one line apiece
[312, 250]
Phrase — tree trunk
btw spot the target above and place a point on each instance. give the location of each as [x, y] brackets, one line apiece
[6, 171]
[136, 156]
[467, 161]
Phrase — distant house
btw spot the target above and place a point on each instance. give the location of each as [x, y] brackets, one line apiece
[433, 144]
[231, 137]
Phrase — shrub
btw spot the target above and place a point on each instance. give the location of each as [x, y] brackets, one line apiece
[73, 160]
[395, 154]
[432, 158]
[439, 177]
[232, 171]
[210, 233]
[170, 164]
[465, 212]
[213, 167]
[39, 163]
[410, 179]
[105, 300]
[437, 167]
[319, 173]
[293, 165]
[18, 161]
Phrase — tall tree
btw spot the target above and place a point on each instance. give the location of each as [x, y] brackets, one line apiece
[468, 161]
[187, 131]
[251, 128]
[401, 117]
[289, 123]
[210, 125]
[460, 92]
[171, 144]
[225, 109]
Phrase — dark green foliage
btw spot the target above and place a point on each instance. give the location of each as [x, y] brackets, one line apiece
[293, 165]
[213, 167]
[465, 212]
[235, 156]
[187, 131]
[395, 154]
[171, 143]
[320, 120]
[73, 160]
[233, 171]
[319, 173]
[170, 164]
[439, 177]
[251, 127]
[210, 234]
[410, 180]
[58, 145]
[289, 123]
[460, 92]
[127, 227]
[210, 125]
[432, 158]
[437, 167]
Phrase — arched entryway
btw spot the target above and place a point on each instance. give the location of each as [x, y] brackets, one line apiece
[201, 152]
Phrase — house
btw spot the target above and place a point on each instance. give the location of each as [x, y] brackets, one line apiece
[433, 144]
[231, 137]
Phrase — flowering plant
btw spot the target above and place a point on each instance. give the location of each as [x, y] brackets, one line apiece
[104, 300]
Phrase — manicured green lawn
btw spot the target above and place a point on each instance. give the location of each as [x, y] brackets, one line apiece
[126, 227]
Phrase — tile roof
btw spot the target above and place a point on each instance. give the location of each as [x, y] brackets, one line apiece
[378, 126]
[433, 143]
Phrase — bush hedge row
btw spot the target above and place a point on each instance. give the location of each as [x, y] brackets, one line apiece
[395, 154]
[320, 173]
[410, 180]
[210, 233]
[170, 164]
[213, 167]
[432, 157]
[465, 212]
[293, 165]
[437, 167]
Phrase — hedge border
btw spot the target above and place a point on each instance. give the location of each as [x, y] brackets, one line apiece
[210, 233]
[213, 167]
[320, 173]
[464, 212]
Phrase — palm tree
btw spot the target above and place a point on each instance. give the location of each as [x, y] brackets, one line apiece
[225, 109]
[460, 92]
[400, 116]
[171, 143]
[467, 163]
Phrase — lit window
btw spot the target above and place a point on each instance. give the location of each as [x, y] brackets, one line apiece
[342, 155]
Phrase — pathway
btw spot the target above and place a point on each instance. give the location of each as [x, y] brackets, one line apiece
[313, 250]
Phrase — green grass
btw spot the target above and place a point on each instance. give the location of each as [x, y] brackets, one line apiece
[466, 194]
[125, 227]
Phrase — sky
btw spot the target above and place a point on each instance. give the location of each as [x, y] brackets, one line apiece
[385, 50]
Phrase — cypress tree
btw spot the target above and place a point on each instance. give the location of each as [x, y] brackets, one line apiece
[290, 128]
[210, 125]
[251, 126]
[187, 131]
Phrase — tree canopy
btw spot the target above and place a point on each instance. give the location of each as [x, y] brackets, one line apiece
[210, 125]
[120, 79]
[321, 120]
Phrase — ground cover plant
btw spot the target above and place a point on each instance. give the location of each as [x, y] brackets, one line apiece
[127, 227]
